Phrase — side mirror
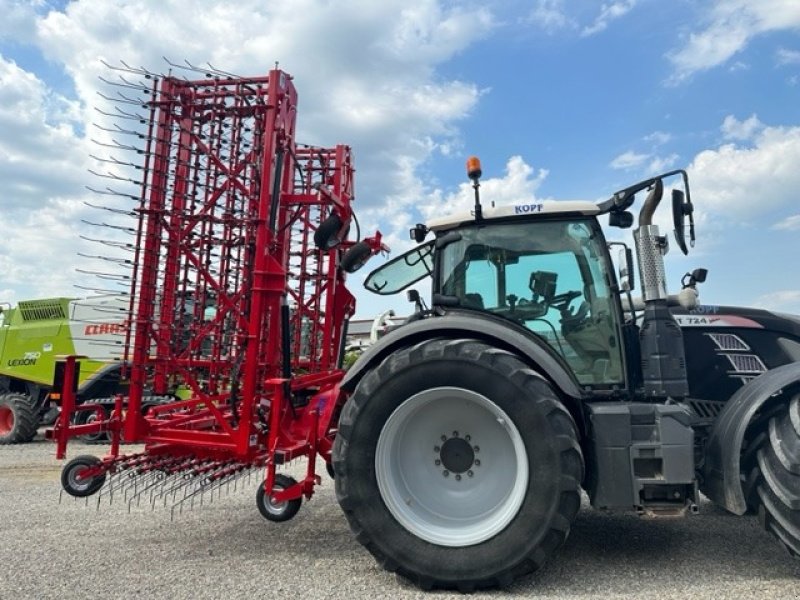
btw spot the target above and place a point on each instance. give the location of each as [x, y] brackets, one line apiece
[627, 279]
[681, 208]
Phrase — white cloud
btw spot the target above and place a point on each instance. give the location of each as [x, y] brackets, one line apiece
[658, 138]
[729, 27]
[659, 164]
[366, 74]
[19, 19]
[791, 223]
[550, 15]
[780, 301]
[788, 57]
[629, 160]
[519, 184]
[746, 180]
[609, 12]
[733, 129]
[40, 155]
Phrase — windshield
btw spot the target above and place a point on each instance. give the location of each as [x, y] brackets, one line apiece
[398, 274]
[549, 277]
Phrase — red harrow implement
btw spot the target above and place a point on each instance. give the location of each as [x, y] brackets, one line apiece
[237, 295]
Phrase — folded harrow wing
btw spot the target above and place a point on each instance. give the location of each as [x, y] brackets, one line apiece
[237, 295]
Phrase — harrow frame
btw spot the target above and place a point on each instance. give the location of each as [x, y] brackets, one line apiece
[230, 298]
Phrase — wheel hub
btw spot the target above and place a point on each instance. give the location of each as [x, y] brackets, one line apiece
[6, 420]
[457, 455]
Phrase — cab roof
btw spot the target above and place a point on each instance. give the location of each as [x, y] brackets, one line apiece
[525, 209]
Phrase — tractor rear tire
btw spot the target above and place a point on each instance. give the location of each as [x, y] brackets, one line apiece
[778, 483]
[457, 466]
[18, 419]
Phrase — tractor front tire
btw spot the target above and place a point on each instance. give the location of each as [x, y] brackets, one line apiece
[777, 485]
[457, 466]
[18, 419]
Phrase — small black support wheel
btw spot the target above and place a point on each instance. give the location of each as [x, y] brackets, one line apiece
[457, 466]
[356, 257]
[76, 486]
[327, 234]
[777, 486]
[18, 419]
[281, 511]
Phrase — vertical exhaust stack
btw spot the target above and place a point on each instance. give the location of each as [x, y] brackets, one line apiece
[662, 352]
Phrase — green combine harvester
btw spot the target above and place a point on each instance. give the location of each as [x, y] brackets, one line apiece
[33, 334]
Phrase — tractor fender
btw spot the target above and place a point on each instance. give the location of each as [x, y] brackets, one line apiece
[479, 327]
[722, 483]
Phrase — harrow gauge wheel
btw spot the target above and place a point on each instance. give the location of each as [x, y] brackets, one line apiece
[74, 484]
[280, 511]
[457, 466]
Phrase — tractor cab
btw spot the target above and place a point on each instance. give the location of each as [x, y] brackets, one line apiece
[546, 271]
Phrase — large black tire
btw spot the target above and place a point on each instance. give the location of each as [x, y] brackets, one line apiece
[18, 419]
[777, 485]
[446, 512]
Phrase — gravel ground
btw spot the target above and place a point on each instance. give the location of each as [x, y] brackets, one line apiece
[227, 550]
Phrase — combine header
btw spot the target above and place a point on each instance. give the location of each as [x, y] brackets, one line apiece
[237, 292]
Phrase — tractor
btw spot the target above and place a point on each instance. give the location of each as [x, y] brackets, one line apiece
[461, 442]
[470, 432]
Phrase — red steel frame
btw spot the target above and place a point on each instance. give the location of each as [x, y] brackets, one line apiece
[225, 258]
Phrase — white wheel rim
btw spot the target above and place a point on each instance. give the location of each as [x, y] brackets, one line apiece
[423, 478]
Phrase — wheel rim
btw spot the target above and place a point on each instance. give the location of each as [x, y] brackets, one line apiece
[451, 466]
[274, 508]
[76, 484]
[6, 420]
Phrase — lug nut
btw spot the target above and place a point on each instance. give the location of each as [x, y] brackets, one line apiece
[467, 437]
[458, 477]
[470, 473]
[476, 448]
[477, 463]
[436, 449]
[437, 462]
[446, 473]
[444, 438]
[455, 434]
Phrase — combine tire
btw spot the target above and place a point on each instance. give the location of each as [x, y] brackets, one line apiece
[81, 487]
[281, 511]
[778, 483]
[18, 419]
[457, 466]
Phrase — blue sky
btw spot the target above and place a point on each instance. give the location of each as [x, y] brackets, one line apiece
[561, 99]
